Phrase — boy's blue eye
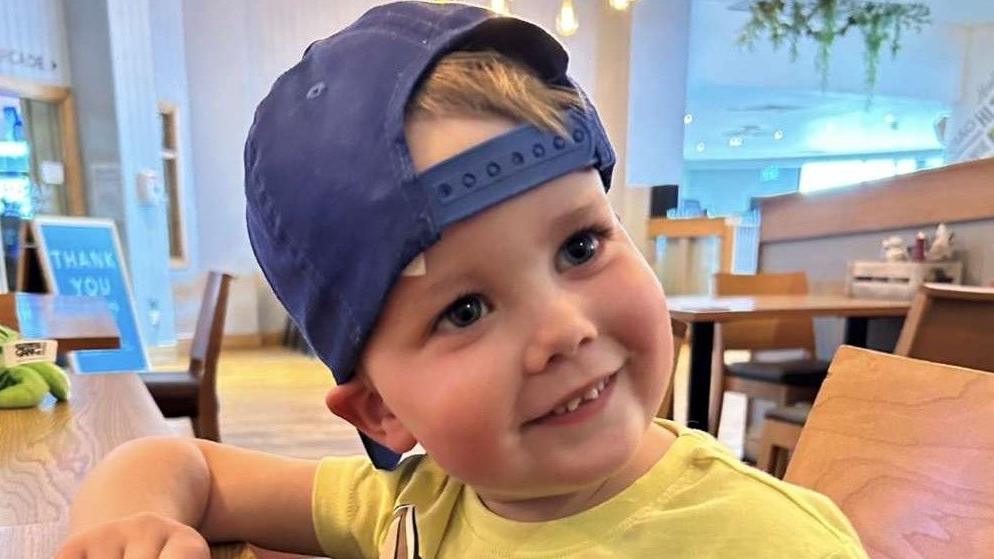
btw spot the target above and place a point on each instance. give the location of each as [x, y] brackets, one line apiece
[464, 312]
[580, 248]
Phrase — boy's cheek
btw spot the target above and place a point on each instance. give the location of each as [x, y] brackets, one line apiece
[465, 444]
[638, 294]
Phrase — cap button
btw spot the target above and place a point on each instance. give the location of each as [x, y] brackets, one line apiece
[315, 90]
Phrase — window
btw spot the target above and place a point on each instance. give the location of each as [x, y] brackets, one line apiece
[172, 185]
[15, 160]
[39, 162]
[823, 175]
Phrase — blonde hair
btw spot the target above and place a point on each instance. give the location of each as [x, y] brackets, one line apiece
[487, 83]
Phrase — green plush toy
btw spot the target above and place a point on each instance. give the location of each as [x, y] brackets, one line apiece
[25, 385]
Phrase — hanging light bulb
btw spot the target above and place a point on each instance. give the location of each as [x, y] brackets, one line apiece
[501, 7]
[566, 23]
[620, 5]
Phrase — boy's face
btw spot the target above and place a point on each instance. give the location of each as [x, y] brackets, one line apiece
[524, 309]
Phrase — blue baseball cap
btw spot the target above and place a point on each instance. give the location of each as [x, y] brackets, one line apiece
[334, 207]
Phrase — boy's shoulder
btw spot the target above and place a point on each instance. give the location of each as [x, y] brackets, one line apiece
[722, 490]
[698, 501]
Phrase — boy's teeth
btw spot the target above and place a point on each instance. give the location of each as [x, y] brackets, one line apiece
[589, 395]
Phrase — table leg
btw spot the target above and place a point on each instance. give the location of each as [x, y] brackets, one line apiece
[856, 330]
[699, 390]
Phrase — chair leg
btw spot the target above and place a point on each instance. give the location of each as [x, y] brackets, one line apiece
[797, 394]
[205, 426]
[767, 457]
[778, 440]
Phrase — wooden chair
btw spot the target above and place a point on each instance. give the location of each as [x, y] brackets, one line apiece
[906, 449]
[679, 336]
[783, 382]
[682, 232]
[948, 324]
[193, 393]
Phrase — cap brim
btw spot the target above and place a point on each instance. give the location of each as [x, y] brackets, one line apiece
[382, 457]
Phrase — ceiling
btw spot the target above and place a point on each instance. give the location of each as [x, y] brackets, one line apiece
[752, 123]
[957, 12]
[769, 107]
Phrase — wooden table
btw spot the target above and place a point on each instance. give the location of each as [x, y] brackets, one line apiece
[46, 452]
[75, 322]
[702, 313]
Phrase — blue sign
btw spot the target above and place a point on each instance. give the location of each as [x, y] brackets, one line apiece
[82, 256]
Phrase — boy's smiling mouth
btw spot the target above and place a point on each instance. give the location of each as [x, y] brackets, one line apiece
[575, 406]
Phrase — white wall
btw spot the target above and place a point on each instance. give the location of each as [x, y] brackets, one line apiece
[143, 226]
[657, 91]
[33, 41]
[971, 128]
[171, 85]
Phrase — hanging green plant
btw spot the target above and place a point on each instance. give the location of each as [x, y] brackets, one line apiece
[824, 21]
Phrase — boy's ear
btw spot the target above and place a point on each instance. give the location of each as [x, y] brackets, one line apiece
[358, 402]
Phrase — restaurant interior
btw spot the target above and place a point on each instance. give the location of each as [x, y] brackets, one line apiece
[819, 212]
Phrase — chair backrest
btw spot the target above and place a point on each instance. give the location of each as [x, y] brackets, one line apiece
[210, 326]
[950, 324]
[906, 449]
[679, 336]
[766, 333]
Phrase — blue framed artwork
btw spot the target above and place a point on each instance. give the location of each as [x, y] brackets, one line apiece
[82, 256]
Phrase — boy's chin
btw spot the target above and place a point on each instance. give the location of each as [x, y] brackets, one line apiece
[569, 472]
[585, 468]
[622, 456]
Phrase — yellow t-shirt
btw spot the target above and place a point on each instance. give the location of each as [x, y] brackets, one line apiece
[698, 501]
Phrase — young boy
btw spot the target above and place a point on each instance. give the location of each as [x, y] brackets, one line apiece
[426, 195]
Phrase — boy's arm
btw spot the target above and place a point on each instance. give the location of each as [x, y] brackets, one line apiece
[227, 493]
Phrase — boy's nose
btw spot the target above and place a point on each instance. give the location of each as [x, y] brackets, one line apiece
[561, 327]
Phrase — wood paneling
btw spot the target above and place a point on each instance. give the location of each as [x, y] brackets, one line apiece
[961, 192]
